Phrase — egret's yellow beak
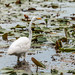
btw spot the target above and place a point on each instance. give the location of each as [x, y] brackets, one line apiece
[38, 18]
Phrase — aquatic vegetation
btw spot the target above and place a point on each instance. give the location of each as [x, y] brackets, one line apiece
[18, 2]
[11, 71]
[38, 30]
[20, 26]
[5, 36]
[37, 63]
[2, 30]
[0, 55]
[41, 39]
[71, 71]
[67, 49]
[63, 39]
[46, 21]
[54, 5]
[54, 71]
[31, 9]
[7, 5]
[26, 17]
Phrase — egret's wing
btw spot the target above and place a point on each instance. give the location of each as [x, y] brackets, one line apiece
[20, 45]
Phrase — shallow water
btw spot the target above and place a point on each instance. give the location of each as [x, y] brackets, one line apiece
[44, 54]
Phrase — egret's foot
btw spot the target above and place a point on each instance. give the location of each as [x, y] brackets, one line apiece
[24, 62]
[19, 64]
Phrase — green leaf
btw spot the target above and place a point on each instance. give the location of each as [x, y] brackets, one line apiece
[41, 39]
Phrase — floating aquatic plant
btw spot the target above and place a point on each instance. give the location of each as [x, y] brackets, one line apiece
[5, 36]
[41, 39]
[2, 30]
[11, 71]
[7, 5]
[54, 71]
[64, 39]
[31, 9]
[67, 49]
[18, 2]
[46, 21]
[37, 63]
[71, 71]
[54, 5]
[58, 45]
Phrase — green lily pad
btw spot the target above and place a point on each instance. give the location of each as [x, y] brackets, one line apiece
[37, 35]
[31, 9]
[41, 39]
[33, 26]
[10, 33]
[2, 31]
[46, 29]
[7, 70]
[5, 36]
[12, 71]
[46, 21]
[13, 28]
[54, 5]
[20, 26]
[0, 27]
[37, 28]
[71, 71]
[54, 71]
[67, 49]
[34, 45]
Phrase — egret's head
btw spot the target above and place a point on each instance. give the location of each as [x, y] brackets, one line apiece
[36, 18]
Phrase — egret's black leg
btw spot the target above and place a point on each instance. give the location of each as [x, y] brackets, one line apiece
[18, 61]
[24, 61]
[24, 57]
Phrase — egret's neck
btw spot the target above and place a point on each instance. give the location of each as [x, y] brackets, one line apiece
[30, 30]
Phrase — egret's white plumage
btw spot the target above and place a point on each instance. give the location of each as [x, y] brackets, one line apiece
[21, 45]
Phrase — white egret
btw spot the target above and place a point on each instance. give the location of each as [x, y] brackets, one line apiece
[22, 44]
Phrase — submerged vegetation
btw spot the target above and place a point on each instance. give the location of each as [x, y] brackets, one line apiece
[53, 39]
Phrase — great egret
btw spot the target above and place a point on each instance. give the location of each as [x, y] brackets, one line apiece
[22, 44]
